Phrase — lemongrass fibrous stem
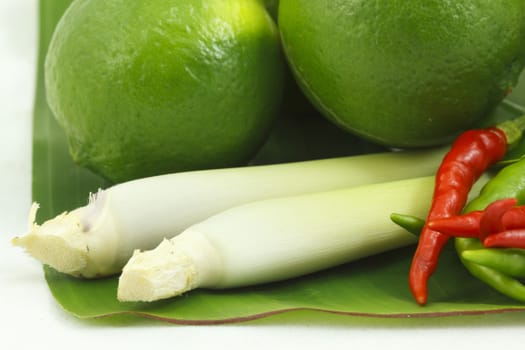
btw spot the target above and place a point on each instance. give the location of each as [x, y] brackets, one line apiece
[98, 239]
[276, 239]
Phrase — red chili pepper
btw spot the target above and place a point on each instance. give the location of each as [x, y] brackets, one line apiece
[506, 229]
[501, 224]
[471, 154]
[491, 220]
[465, 226]
[507, 239]
[501, 215]
[513, 218]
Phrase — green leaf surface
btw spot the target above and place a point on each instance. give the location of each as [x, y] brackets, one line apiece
[375, 287]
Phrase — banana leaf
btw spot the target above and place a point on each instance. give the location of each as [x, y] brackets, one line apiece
[374, 287]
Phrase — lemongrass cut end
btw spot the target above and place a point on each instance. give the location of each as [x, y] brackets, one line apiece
[161, 273]
[49, 244]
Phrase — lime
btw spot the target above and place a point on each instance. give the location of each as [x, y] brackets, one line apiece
[302, 133]
[404, 73]
[149, 87]
[272, 7]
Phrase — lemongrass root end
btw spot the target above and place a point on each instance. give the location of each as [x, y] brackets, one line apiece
[47, 243]
[54, 251]
[161, 273]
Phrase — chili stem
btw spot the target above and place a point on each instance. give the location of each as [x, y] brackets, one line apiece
[513, 130]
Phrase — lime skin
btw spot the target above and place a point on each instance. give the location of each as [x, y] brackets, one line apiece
[404, 73]
[149, 87]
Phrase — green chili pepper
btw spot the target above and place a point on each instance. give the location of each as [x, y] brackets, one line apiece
[510, 261]
[498, 280]
[508, 183]
[412, 224]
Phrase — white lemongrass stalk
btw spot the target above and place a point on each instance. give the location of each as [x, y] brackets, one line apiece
[98, 239]
[276, 239]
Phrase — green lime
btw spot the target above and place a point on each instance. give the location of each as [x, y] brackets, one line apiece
[149, 87]
[404, 73]
[272, 7]
[302, 133]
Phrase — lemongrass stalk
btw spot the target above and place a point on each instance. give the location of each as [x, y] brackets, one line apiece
[276, 239]
[97, 239]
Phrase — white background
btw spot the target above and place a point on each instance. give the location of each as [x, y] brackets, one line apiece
[31, 318]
